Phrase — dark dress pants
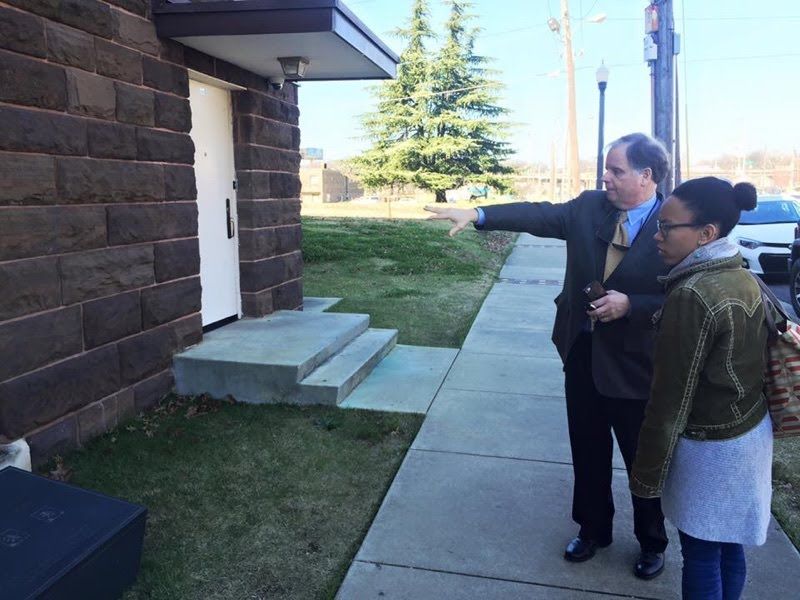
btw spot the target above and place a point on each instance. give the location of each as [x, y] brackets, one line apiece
[591, 418]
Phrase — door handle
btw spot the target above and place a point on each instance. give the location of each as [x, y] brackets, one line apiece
[229, 222]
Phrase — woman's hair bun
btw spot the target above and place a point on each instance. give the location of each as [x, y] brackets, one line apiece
[745, 196]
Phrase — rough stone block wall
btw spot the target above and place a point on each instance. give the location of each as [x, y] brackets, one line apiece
[99, 259]
[267, 144]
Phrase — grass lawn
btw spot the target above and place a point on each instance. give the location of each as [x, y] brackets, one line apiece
[248, 502]
[408, 275]
[786, 486]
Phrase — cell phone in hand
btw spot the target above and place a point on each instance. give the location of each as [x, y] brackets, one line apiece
[593, 291]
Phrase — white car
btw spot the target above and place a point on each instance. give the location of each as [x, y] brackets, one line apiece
[765, 235]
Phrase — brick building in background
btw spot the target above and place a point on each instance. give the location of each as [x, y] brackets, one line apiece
[125, 226]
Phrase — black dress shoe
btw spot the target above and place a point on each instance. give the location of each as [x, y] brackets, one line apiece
[649, 565]
[579, 549]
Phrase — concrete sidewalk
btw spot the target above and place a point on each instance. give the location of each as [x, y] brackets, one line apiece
[480, 508]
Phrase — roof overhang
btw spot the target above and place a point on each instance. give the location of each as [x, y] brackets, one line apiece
[252, 34]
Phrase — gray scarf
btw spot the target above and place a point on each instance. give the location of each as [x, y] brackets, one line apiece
[721, 248]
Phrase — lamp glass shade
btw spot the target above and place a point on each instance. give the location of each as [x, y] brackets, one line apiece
[294, 67]
[602, 74]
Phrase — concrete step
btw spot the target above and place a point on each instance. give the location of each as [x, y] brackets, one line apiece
[333, 381]
[262, 360]
[405, 381]
[313, 304]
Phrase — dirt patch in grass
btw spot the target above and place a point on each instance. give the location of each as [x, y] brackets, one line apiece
[407, 275]
[247, 501]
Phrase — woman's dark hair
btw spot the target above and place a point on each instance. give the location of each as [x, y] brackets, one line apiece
[644, 152]
[714, 200]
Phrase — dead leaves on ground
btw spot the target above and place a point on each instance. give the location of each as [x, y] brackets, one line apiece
[60, 471]
[205, 404]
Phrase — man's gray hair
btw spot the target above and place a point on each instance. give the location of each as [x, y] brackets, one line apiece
[644, 152]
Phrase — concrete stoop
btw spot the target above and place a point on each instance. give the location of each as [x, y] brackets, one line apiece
[288, 356]
[313, 357]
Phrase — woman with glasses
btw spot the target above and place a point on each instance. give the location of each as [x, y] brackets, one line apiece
[705, 446]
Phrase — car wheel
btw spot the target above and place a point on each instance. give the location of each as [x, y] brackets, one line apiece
[794, 286]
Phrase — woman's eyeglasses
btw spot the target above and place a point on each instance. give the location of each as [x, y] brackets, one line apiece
[665, 228]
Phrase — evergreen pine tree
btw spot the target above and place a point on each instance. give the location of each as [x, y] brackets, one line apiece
[437, 123]
[466, 142]
[397, 128]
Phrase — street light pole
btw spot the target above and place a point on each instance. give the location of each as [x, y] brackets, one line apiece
[602, 81]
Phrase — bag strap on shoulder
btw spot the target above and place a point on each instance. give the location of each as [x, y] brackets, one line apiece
[775, 315]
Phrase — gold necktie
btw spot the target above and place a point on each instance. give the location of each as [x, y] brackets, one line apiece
[619, 244]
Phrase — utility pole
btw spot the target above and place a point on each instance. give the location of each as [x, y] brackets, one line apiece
[553, 171]
[663, 73]
[573, 162]
[677, 161]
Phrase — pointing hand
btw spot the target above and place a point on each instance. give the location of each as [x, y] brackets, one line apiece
[460, 217]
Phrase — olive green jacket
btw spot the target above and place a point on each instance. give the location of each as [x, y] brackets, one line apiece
[708, 367]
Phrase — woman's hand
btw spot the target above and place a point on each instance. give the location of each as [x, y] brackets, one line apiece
[460, 217]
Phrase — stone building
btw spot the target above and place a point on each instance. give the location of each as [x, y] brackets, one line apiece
[149, 190]
[324, 183]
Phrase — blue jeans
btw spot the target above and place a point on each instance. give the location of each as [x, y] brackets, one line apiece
[712, 570]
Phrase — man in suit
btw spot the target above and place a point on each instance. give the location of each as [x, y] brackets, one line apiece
[606, 345]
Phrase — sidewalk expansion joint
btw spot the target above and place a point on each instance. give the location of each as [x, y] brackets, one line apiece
[552, 282]
[479, 455]
[520, 355]
[451, 388]
[498, 456]
[505, 580]
[441, 385]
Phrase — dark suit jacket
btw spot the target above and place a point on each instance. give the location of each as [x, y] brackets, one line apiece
[622, 350]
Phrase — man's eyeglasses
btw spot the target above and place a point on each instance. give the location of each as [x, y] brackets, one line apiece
[665, 228]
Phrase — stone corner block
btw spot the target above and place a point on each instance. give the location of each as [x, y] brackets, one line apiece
[56, 438]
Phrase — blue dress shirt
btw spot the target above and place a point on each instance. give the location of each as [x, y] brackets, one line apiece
[637, 217]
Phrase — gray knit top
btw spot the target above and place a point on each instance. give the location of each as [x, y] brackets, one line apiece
[720, 490]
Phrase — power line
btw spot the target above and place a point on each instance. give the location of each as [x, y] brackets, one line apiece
[588, 12]
[542, 25]
[588, 68]
[739, 18]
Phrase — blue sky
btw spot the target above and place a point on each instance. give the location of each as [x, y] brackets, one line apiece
[741, 61]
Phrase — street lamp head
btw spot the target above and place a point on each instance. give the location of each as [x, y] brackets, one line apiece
[554, 25]
[602, 74]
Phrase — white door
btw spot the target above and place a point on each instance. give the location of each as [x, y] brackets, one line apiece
[212, 133]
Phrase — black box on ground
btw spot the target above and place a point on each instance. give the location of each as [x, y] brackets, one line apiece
[61, 542]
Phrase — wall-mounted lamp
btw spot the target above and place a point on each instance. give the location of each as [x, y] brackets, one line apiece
[294, 67]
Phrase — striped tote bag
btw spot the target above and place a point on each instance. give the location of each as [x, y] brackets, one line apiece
[782, 374]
